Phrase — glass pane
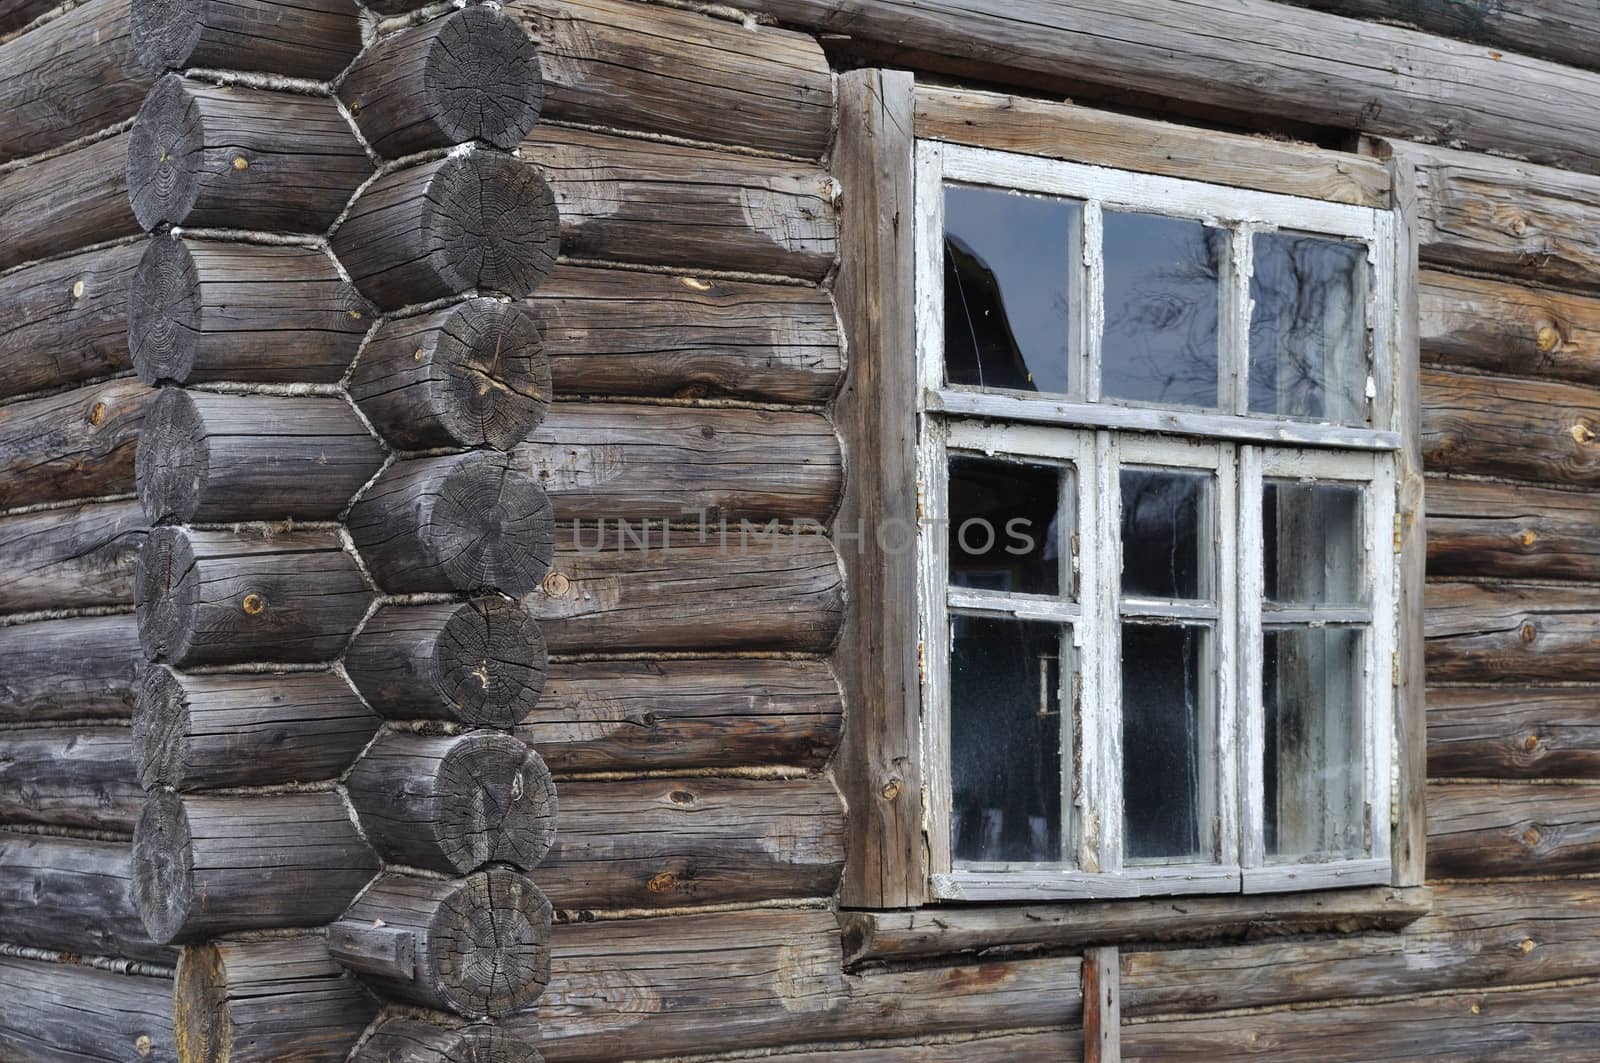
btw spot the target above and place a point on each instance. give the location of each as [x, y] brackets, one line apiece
[1308, 328]
[1162, 292]
[1008, 307]
[1005, 529]
[1005, 739]
[1166, 517]
[1167, 737]
[1313, 766]
[1312, 537]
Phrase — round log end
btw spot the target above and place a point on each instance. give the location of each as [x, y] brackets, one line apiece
[489, 945]
[402, 1040]
[165, 32]
[163, 867]
[483, 80]
[201, 1023]
[165, 153]
[160, 729]
[492, 224]
[172, 458]
[498, 804]
[495, 526]
[164, 312]
[490, 663]
[165, 594]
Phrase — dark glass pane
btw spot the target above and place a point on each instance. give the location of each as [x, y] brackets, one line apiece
[1005, 739]
[1007, 283]
[1166, 754]
[1162, 291]
[1166, 534]
[1312, 538]
[1308, 328]
[1310, 686]
[1005, 532]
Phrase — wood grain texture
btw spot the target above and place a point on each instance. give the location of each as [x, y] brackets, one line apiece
[711, 713]
[57, 205]
[65, 321]
[1102, 1006]
[1479, 830]
[1503, 327]
[73, 895]
[402, 1040]
[1514, 732]
[616, 332]
[1515, 531]
[15, 14]
[1059, 1046]
[69, 669]
[1516, 429]
[79, 777]
[612, 63]
[62, 1013]
[73, 444]
[315, 39]
[1513, 632]
[68, 558]
[664, 204]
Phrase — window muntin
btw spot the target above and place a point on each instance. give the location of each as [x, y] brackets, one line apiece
[1225, 769]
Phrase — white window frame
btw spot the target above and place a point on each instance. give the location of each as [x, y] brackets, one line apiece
[1096, 437]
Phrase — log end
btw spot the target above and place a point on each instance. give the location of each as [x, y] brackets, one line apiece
[166, 32]
[483, 79]
[402, 1040]
[164, 312]
[163, 867]
[498, 804]
[490, 663]
[172, 459]
[165, 153]
[160, 729]
[165, 593]
[488, 950]
[492, 224]
[200, 1017]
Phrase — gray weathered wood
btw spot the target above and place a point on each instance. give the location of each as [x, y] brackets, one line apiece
[241, 158]
[1518, 429]
[208, 732]
[72, 895]
[1484, 830]
[69, 669]
[1502, 327]
[63, 1013]
[1514, 632]
[57, 205]
[67, 558]
[80, 777]
[15, 14]
[1102, 1006]
[1478, 528]
[1057, 1045]
[315, 39]
[403, 1040]
[1514, 732]
[471, 74]
[65, 321]
[74, 444]
[227, 597]
[205, 866]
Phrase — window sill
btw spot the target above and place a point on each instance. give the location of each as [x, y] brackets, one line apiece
[895, 936]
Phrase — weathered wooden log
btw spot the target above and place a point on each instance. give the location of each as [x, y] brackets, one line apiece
[265, 1001]
[736, 586]
[203, 311]
[665, 204]
[1477, 528]
[455, 803]
[474, 374]
[70, 77]
[687, 337]
[75, 444]
[69, 558]
[1509, 633]
[213, 865]
[223, 458]
[69, 777]
[1060, 1045]
[15, 14]
[402, 1040]
[63, 1013]
[1518, 429]
[479, 221]
[241, 158]
[1488, 830]
[480, 662]
[472, 74]
[478, 946]
[59, 204]
[608, 63]
[226, 597]
[66, 321]
[1501, 327]
[1513, 732]
[207, 732]
[639, 462]
[72, 895]
[600, 716]
[308, 40]
[661, 843]
[69, 669]
[466, 522]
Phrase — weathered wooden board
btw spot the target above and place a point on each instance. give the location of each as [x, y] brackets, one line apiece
[61, 1013]
[65, 321]
[653, 715]
[1515, 632]
[618, 64]
[57, 205]
[1481, 830]
[1478, 528]
[1514, 732]
[616, 332]
[1518, 429]
[73, 895]
[664, 204]
[1503, 327]
[69, 777]
[74, 444]
[303, 38]
[67, 558]
[661, 843]
[69, 669]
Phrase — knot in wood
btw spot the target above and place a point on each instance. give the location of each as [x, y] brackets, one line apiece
[1531, 837]
[97, 413]
[1529, 537]
[1528, 631]
[241, 163]
[681, 797]
[891, 789]
[1530, 743]
[557, 585]
[77, 290]
[253, 604]
[1527, 945]
[1582, 433]
[1548, 338]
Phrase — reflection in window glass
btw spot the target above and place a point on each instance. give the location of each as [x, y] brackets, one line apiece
[1008, 306]
[1313, 764]
[1166, 742]
[1308, 328]
[1162, 293]
[1006, 696]
[1166, 534]
[1312, 536]
[1005, 534]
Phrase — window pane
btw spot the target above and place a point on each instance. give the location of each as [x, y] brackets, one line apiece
[1313, 763]
[1008, 306]
[1312, 537]
[1167, 738]
[1162, 291]
[1308, 328]
[1166, 533]
[1005, 531]
[1005, 739]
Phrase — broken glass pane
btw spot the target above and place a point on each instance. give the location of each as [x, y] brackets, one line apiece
[1006, 531]
[1308, 328]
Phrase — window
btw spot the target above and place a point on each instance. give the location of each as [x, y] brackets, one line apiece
[1158, 569]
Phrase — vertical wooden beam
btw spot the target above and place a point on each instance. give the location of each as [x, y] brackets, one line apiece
[1102, 1005]
[878, 654]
